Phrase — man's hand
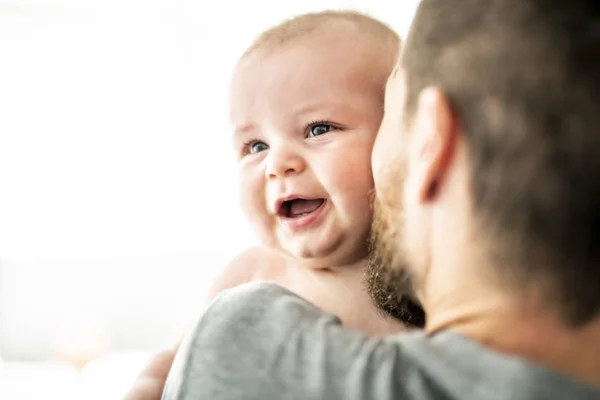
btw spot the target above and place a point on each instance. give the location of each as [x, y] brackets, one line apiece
[151, 381]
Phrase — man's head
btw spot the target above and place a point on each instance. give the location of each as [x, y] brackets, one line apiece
[487, 166]
[307, 101]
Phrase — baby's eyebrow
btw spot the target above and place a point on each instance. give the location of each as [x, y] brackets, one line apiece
[243, 130]
[310, 107]
[327, 106]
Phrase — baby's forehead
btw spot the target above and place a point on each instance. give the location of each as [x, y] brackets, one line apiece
[335, 54]
[316, 60]
[349, 23]
[332, 37]
[334, 27]
[307, 78]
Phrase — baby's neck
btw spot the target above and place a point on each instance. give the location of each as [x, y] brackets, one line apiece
[341, 290]
[327, 265]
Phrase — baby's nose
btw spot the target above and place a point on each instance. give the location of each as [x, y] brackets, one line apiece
[281, 163]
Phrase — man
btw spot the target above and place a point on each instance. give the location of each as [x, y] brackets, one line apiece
[487, 170]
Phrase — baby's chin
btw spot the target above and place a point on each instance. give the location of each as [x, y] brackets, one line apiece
[325, 260]
[327, 249]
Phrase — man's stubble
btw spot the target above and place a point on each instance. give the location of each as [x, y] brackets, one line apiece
[389, 280]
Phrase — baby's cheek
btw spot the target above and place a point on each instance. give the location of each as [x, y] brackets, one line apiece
[252, 198]
[254, 206]
[354, 183]
[352, 172]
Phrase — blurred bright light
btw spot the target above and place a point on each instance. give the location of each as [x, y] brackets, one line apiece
[50, 381]
[118, 369]
[118, 190]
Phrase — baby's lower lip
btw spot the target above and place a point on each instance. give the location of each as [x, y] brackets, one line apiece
[303, 220]
[286, 210]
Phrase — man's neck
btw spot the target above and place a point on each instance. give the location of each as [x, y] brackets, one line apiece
[524, 329]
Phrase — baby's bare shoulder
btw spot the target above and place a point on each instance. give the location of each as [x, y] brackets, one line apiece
[254, 263]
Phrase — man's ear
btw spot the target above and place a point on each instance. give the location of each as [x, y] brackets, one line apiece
[433, 143]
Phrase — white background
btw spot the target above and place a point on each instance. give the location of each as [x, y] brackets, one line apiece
[118, 199]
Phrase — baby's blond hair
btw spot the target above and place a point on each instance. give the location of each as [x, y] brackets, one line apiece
[324, 21]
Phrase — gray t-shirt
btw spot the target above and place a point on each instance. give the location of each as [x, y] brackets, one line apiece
[262, 342]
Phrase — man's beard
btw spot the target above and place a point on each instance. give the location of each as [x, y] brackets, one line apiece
[389, 282]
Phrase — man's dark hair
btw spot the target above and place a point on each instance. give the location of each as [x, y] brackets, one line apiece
[523, 77]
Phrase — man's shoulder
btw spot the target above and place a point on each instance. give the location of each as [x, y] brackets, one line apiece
[261, 341]
[267, 299]
[255, 292]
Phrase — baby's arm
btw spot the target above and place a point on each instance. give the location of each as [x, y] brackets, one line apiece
[252, 264]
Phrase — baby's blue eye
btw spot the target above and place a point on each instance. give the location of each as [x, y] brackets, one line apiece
[319, 129]
[257, 147]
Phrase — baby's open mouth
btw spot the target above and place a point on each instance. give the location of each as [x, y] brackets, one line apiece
[297, 208]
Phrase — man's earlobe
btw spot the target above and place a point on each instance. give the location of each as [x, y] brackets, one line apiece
[435, 137]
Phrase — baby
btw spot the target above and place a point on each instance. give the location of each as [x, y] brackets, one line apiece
[306, 104]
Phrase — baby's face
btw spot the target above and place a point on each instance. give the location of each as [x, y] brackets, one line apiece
[305, 118]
